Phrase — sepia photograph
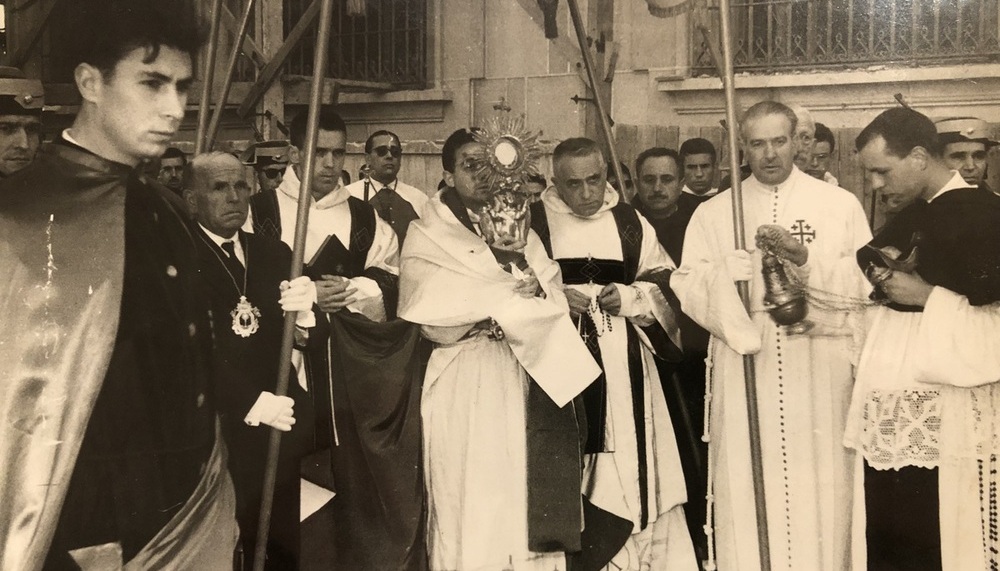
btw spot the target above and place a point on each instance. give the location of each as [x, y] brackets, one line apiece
[499, 285]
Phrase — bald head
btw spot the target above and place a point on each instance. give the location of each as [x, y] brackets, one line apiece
[217, 192]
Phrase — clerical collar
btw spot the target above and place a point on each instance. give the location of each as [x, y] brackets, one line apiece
[754, 182]
[956, 182]
[551, 199]
[291, 186]
[710, 192]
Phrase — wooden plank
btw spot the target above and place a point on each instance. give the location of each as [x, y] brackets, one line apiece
[273, 67]
[20, 55]
[250, 48]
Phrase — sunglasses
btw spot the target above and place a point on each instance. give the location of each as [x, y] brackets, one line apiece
[384, 150]
[273, 173]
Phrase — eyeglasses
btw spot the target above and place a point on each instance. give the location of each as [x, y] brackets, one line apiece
[273, 173]
[384, 150]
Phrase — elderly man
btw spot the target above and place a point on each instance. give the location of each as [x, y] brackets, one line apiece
[501, 446]
[21, 102]
[804, 136]
[116, 459]
[269, 160]
[966, 143]
[395, 201]
[244, 281]
[926, 400]
[803, 380]
[616, 275]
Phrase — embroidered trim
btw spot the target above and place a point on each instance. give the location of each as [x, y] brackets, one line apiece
[901, 428]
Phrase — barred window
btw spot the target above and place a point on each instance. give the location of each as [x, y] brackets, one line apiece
[772, 35]
[385, 42]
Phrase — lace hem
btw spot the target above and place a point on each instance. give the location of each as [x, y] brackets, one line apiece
[901, 428]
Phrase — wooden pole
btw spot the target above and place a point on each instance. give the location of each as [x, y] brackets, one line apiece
[208, 77]
[609, 139]
[749, 370]
[227, 83]
[298, 255]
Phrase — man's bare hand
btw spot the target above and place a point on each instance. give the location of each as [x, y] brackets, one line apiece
[578, 302]
[907, 289]
[780, 242]
[528, 286]
[333, 293]
[610, 300]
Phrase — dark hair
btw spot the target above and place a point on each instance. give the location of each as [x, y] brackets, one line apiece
[825, 135]
[329, 120]
[575, 147]
[538, 179]
[697, 146]
[379, 133]
[902, 129]
[654, 152]
[108, 30]
[765, 108]
[174, 153]
[456, 141]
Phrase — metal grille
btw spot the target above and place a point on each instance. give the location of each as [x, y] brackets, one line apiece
[772, 35]
[388, 44]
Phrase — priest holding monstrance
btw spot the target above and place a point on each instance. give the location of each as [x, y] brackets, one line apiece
[809, 231]
[500, 434]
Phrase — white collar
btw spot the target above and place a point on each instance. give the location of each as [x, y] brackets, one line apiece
[219, 240]
[291, 186]
[551, 198]
[956, 182]
[782, 186]
[711, 192]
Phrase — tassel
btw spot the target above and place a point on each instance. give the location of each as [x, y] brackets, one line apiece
[549, 8]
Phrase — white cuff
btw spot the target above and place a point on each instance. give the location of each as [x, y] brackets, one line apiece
[305, 320]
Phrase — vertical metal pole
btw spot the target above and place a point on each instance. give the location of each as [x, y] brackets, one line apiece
[749, 370]
[208, 77]
[298, 251]
[609, 139]
[227, 83]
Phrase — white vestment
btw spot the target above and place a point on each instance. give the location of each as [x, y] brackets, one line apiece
[928, 395]
[803, 381]
[416, 197]
[611, 479]
[473, 400]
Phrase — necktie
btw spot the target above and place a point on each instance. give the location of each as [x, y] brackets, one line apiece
[233, 263]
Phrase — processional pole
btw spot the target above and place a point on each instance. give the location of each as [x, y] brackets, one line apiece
[208, 77]
[749, 370]
[298, 255]
[227, 83]
[609, 140]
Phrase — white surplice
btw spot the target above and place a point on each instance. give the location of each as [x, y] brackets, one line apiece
[928, 395]
[611, 479]
[473, 400]
[803, 381]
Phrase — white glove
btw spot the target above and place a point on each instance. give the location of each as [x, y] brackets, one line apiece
[299, 295]
[739, 265]
[272, 410]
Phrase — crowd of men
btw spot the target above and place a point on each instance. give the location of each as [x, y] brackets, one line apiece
[573, 398]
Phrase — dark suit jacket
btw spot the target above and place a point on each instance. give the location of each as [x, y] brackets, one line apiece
[245, 366]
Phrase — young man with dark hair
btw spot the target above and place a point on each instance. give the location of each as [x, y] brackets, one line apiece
[395, 201]
[171, 173]
[923, 416]
[616, 278]
[819, 164]
[107, 336]
[803, 380]
[700, 167]
[500, 440]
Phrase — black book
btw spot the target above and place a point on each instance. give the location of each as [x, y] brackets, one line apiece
[332, 258]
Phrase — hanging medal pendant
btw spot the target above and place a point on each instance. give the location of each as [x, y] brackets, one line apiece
[246, 318]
